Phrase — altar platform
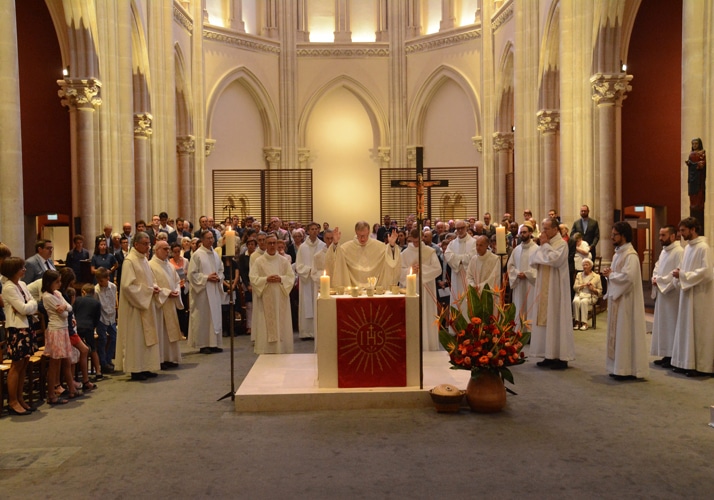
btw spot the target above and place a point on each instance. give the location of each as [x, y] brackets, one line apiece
[288, 382]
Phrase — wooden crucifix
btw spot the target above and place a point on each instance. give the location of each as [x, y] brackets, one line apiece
[420, 184]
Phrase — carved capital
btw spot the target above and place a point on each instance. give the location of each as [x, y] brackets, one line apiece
[384, 155]
[210, 146]
[80, 93]
[185, 144]
[303, 157]
[478, 143]
[502, 141]
[548, 121]
[411, 154]
[610, 89]
[142, 125]
[272, 156]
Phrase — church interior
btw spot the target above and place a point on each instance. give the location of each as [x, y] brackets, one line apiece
[115, 110]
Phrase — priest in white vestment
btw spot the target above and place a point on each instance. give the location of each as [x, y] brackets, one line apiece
[430, 270]
[364, 257]
[458, 255]
[552, 328]
[665, 291]
[167, 301]
[626, 329]
[324, 260]
[304, 265]
[693, 351]
[205, 277]
[484, 268]
[137, 350]
[272, 278]
[522, 276]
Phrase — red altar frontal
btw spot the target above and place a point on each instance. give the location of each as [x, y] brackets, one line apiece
[368, 341]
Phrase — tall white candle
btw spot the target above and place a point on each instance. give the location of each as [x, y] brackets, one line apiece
[500, 240]
[324, 285]
[230, 238]
[411, 284]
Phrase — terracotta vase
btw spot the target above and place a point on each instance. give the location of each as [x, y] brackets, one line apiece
[486, 394]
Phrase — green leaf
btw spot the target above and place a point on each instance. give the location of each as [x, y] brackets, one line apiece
[447, 340]
[507, 375]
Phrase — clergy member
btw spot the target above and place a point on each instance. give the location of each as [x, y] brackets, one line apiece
[522, 276]
[364, 257]
[552, 330]
[626, 330]
[693, 351]
[665, 291]
[458, 255]
[272, 278]
[484, 267]
[167, 301]
[205, 277]
[308, 290]
[324, 259]
[137, 349]
[431, 268]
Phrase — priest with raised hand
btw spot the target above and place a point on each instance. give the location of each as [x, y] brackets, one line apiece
[205, 277]
[308, 289]
[430, 270]
[167, 301]
[272, 278]
[484, 267]
[364, 257]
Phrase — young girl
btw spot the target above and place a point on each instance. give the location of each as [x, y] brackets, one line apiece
[57, 344]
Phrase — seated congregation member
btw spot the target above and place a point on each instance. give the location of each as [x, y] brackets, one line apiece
[205, 277]
[272, 278]
[167, 302]
[21, 344]
[104, 258]
[87, 312]
[588, 288]
[106, 292]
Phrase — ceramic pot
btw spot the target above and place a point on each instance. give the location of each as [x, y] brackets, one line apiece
[486, 393]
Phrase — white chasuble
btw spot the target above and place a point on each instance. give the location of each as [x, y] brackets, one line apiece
[272, 320]
[205, 323]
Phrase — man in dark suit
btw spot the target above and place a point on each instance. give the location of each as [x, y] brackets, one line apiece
[588, 228]
[40, 262]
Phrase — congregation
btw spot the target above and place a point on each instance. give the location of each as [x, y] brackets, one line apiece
[126, 307]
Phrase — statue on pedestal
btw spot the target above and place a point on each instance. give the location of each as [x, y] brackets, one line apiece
[696, 179]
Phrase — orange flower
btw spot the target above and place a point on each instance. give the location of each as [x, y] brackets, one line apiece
[476, 321]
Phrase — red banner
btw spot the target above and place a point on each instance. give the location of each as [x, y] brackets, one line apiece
[371, 342]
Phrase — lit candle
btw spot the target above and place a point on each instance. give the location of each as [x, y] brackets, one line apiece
[500, 240]
[230, 242]
[411, 284]
[324, 285]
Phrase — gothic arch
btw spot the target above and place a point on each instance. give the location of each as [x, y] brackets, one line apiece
[76, 28]
[427, 91]
[613, 28]
[247, 79]
[371, 105]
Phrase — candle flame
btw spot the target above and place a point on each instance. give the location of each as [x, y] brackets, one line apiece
[411, 271]
[324, 272]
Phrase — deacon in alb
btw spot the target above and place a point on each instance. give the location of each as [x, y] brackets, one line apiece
[166, 303]
[364, 257]
[522, 276]
[693, 351]
[552, 330]
[429, 271]
[304, 265]
[272, 278]
[205, 277]
[665, 291]
[626, 330]
[484, 267]
[458, 255]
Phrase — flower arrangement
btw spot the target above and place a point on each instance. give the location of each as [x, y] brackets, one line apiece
[489, 340]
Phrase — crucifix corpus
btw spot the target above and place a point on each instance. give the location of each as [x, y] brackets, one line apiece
[420, 184]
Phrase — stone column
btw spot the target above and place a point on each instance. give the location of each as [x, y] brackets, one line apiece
[413, 18]
[448, 18]
[608, 94]
[342, 21]
[142, 161]
[549, 127]
[382, 21]
[270, 29]
[235, 15]
[185, 150]
[503, 164]
[11, 202]
[302, 34]
[81, 96]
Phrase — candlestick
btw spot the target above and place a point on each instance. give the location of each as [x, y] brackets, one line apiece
[500, 240]
[411, 284]
[324, 285]
[230, 238]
